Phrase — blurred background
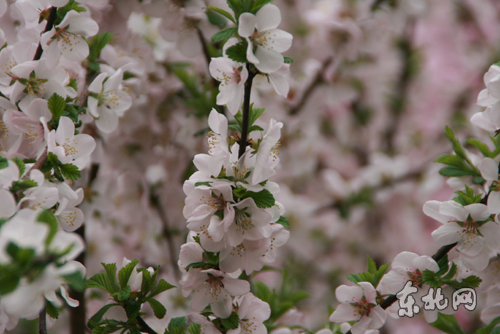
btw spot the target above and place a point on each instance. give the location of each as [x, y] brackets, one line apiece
[372, 86]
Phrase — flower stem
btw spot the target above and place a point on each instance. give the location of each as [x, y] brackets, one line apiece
[246, 111]
[48, 27]
[144, 327]
[42, 323]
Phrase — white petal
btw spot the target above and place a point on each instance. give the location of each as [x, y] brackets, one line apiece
[489, 169]
[268, 17]
[269, 60]
[247, 23]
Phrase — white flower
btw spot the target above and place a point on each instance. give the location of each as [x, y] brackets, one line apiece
[358, 304]
[260, 32]
[67, 39]
[108, 102]
[232, 76]
[252, 312]
[489, 171]
[491, 94]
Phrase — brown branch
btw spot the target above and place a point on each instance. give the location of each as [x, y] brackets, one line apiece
[42, 321]
[48, 27]
[38, 164]
[318, 79]
[246, 111]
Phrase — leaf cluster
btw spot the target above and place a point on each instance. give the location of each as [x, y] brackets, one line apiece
[445, 276]
[59, 107]
[372, 275]
[124, 297]
[55, 169]
[96, 44]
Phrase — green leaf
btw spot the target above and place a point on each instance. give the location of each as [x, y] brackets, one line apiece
[20, 165]
[263, 199]
[231, 322]
[100, 281]
[360, 277]
[48, 218]
[258, 4]
[454, 171]
[255, 128]
[22, 185]
[4, 163]
[98, 316]
[237, 52]
[372, 267]
[110, 269]
[133, 308]
[192, 329]
[70, 171]
[71, 5]
[288, 60]
[443, 265]
[177, 325]
[224, 34]
[75, 281]
[457, 147]
[162, 286]
[255, 113]
[56, 104]
[73, 84]
[489, 328]
[380, 273]
[158, 308]
[9, 279]
[124, 293]
[51, 310]
[197, 184]
[297, 296]
[239, 192]
[234, 126]
[223, 13]
[452, 160]
[430, 278]
[283, 221]
[236, 7]
[447, 324]
[478, 180]
[451, 273]
[98, 43]
[125, 272]
[482, 147]
[471, 281]
[197, 265]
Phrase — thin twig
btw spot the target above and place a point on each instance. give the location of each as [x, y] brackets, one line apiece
[246, 111]
[48, 27]
[38, 164]
[318, 79]
[42, 321]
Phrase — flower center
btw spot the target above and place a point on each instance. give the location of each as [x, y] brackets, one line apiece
[415, 277]
[243, 220]
[362, 308]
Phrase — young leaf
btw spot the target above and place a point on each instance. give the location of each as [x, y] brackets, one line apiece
[224, 34]
[237, 52]
[380, 273]
[22, 185]
[372, 267]
[452, 160]
[98, 43]
[447, 324]
[70, 171]
[124, 293]
[158, 308]
[232, 322]
[177, 325]
[482, 147]
[48, 218]
[75, 280]
[110, 269]
[263, 199]
[283, 221]
[100, 281]
[258, 4]
[125, 272]
[488, 329]
[223, 13]
[455, 171]
[288, 60]
[255, 114]
[56, 106]
[4, 163]
[51, 310]
[162, 286]
[98, 316]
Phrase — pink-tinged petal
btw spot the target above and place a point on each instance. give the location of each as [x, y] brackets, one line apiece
[453, 209]
[478, 262]
[485, 99]
[269, 60]
[74, 48]
[278, 40]
[65, 130]
[191, 252]
[478, 212]
[344, 312]
[378, 316]
[221, 67]
[425, 262]
[493, 296]
[217, 122]
[247, 23]
[84, 26]
[236, 287]
[491, 233]
[368, 291]
[431, 209]
[216, 228]
[404, 260]
[489, 169]
[361, 326]
[490, 313]
[207, 164]
[96, 85]
[70, 301]
[113, 81]
[71, 220]
[117, 101]
[107, 122]
[7, 204]
[84, 145]
[92, 104]
[430, 316]
[222, 304]
[480, 120]
[494, 87]
[447, 234]
[494, 202]
[279, 83]
[268, 17]
[250, 55]
[394, 281]
[201, 298]
[349, 294]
